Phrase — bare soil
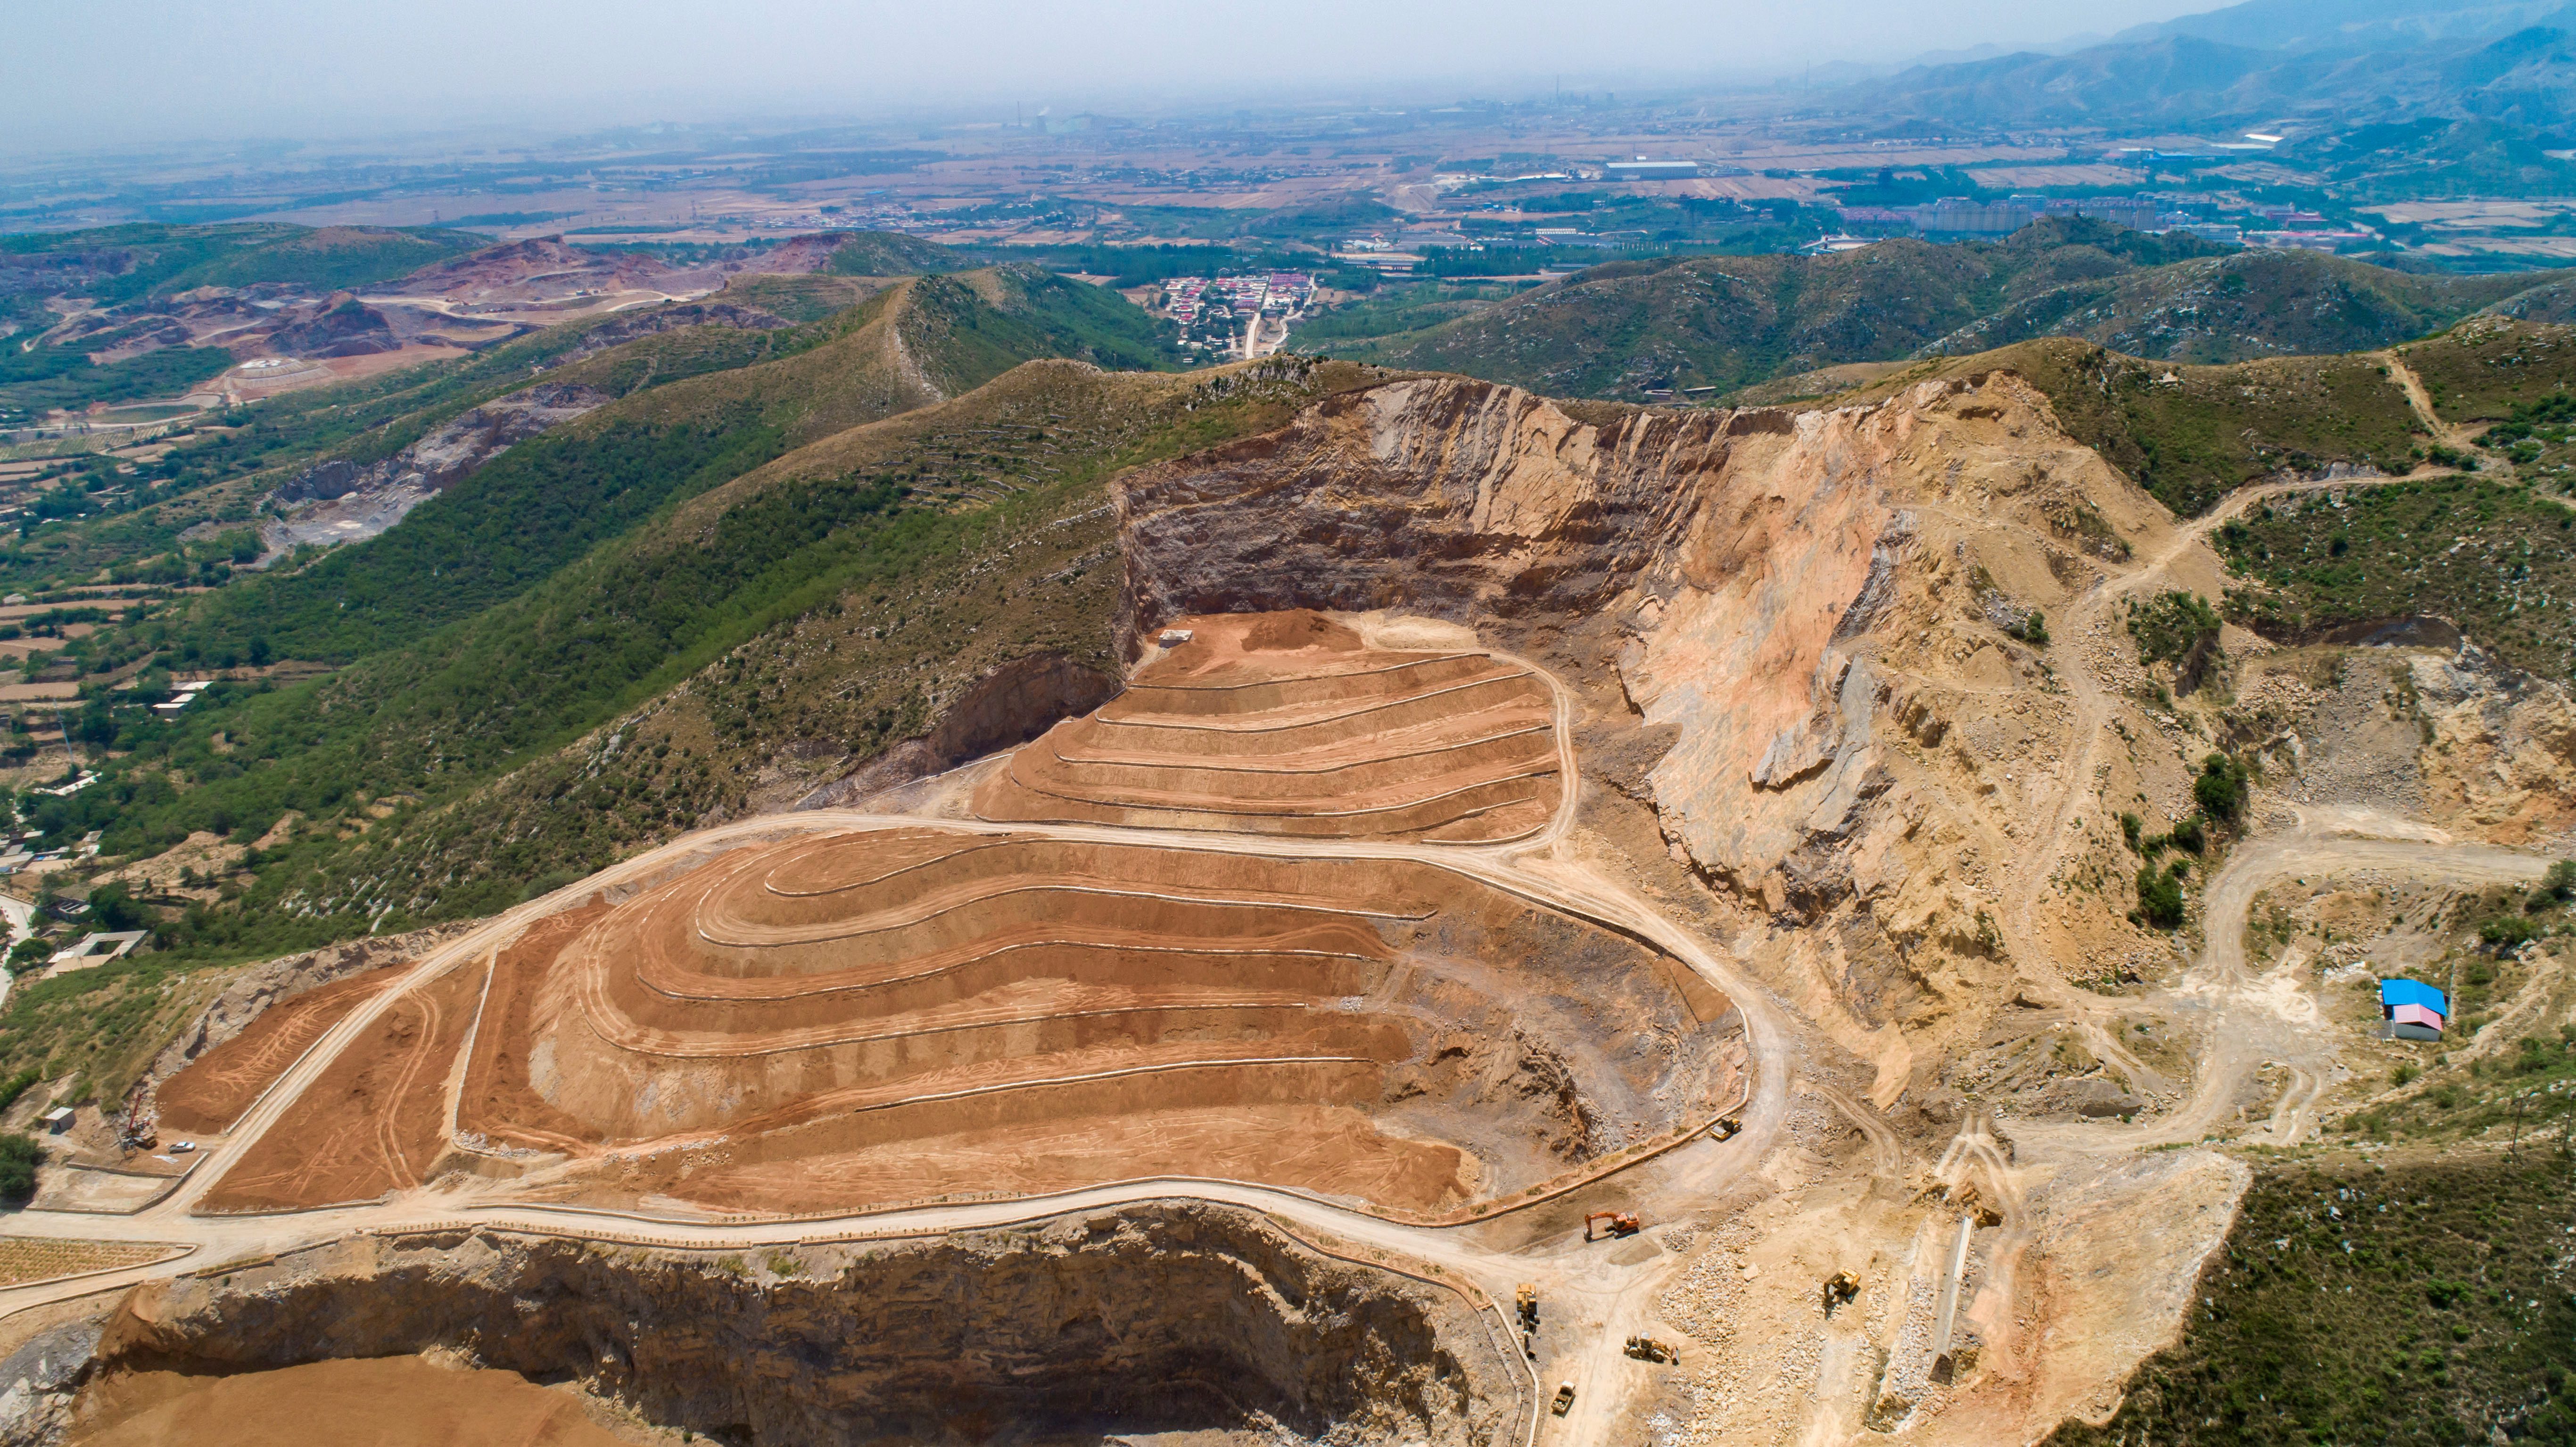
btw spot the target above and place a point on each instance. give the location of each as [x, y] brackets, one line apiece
[901, 1014]
[1287, 723]
[380, 1401]
[208, 1096]
[374, 1122]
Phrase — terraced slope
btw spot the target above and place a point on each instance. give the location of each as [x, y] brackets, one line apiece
[1287, 723]
[887, 1015]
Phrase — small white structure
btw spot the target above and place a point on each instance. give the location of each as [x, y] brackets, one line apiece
[58, 1120]
[94, 949]
[1175, 637]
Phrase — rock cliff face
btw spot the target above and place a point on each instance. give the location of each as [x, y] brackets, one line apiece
[1735, 549]
[1794, 634]
[1178, 1318]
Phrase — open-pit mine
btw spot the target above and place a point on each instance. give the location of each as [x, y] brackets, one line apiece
[1585, 926]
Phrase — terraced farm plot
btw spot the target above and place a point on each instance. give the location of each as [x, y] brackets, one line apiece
[31, 1258]
[893, 1015]
[1287, 723]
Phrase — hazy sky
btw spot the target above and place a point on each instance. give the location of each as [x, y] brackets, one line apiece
[121, 71]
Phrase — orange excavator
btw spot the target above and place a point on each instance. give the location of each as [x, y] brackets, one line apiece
[1622, 1223]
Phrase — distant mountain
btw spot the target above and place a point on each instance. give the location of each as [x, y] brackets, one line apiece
[2251, 304]
[2351, 24]
[1731, 321]
[2270, 62]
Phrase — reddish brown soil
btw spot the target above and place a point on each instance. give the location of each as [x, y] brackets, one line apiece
[375, 1122]
[216, 1087]
[497, 1094]
[1286, 723]
[862, 1018]
[381, 1401]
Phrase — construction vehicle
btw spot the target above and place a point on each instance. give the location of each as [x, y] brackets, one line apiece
[1840, 1287]
[1564, 1398]
[1647, 1349]
[1527, 1300]
[1727, 1129]
[1622, 1223]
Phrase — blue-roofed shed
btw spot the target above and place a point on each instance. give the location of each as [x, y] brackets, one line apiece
[2393, 993]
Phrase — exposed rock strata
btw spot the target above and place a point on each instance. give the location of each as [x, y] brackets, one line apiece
[1798, 609]
[1164, 1317]
[1008, 706]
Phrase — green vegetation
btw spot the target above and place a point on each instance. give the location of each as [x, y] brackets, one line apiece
[1729, 322]
[18, 1157]
[1394, 311]
[2239, 306]
[2220, 789]
[37, 380]
[2160, 894]
[2486, 368]
[2494, 558]
[113, 265]
[2180, 629]
[2415, 1304]
[889, 253]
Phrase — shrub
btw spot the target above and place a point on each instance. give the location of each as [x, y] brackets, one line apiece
[2507, 931]
[2560, 881]
[2189, 836]
[2178, 628]
[2160, 896]
[2130, 824]
[18, 1157]
[2220, 789]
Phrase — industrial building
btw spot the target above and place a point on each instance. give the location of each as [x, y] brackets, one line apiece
[1642, 169]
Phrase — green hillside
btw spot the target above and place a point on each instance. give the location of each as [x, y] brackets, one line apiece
[891, 253]
[1728, 322]
[2251, 303]
[112, 265]
[548, 500]
[496, 617]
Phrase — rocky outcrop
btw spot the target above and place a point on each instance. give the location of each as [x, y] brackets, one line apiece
[348, 329]
[2499, 756]
[1732, 546]
[1005, 708]
[627, 326]
[1163, 1317]
[345, 502]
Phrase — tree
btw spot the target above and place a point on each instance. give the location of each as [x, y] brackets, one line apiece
[29, 954]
